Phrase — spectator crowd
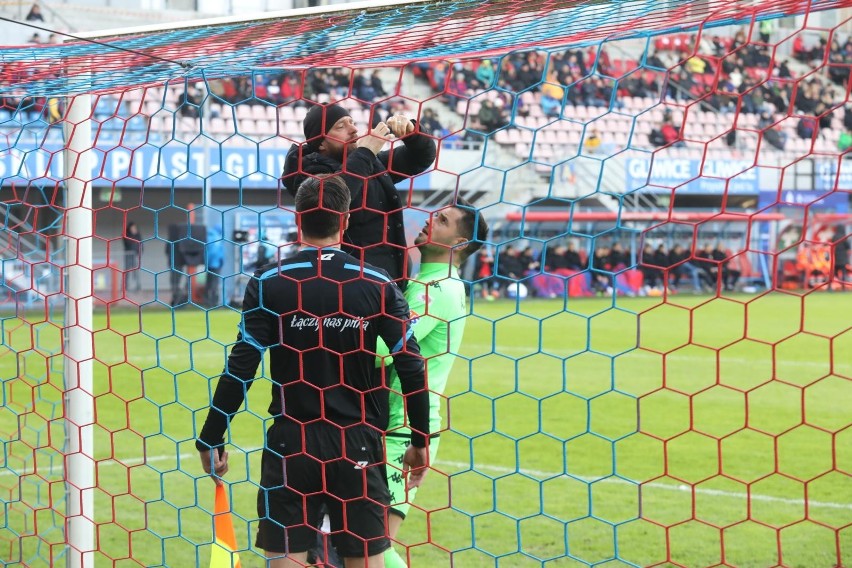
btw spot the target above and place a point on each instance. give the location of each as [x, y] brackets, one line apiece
[723, 74]
[562, 269]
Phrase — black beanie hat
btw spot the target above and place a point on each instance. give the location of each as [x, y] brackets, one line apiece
[319, 120]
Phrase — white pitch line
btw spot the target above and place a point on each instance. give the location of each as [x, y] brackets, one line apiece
[532, 473]
[655, 485]
[633, 352]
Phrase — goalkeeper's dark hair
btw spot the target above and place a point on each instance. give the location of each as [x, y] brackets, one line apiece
[321, 204]
[472, 226]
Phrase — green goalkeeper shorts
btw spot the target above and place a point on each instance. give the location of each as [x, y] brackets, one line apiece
[395, 447]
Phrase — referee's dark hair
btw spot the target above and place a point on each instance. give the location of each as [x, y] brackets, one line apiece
[321, 205]
[472, 226]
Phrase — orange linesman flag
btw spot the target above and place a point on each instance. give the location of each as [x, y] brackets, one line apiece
[224, 553]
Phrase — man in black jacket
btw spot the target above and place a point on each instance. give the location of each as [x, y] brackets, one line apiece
[510, 267]
[320, 313]
[332, 145]
[841, 244]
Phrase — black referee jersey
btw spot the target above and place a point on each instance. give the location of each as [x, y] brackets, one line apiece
[320, 313]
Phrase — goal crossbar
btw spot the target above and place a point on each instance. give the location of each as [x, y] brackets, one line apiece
[370, 34]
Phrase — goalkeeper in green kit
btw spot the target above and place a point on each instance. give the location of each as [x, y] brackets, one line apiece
[437, 300]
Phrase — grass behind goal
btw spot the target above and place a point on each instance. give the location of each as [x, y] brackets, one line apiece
[556, 418]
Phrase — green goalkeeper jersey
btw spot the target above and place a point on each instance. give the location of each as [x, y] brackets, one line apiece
[437, 300]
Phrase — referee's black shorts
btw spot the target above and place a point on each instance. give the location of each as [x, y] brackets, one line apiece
[305, 466]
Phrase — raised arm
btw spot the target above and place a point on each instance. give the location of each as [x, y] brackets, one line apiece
[416, 154]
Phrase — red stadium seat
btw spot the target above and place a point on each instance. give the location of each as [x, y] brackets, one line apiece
[577, 285]
[635, 278]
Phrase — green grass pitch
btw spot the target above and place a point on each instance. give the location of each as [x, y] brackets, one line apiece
[696, 432]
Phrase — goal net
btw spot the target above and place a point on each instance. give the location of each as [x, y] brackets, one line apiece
[654, 369]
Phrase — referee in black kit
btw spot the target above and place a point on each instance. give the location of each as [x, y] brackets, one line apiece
[320, 313]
